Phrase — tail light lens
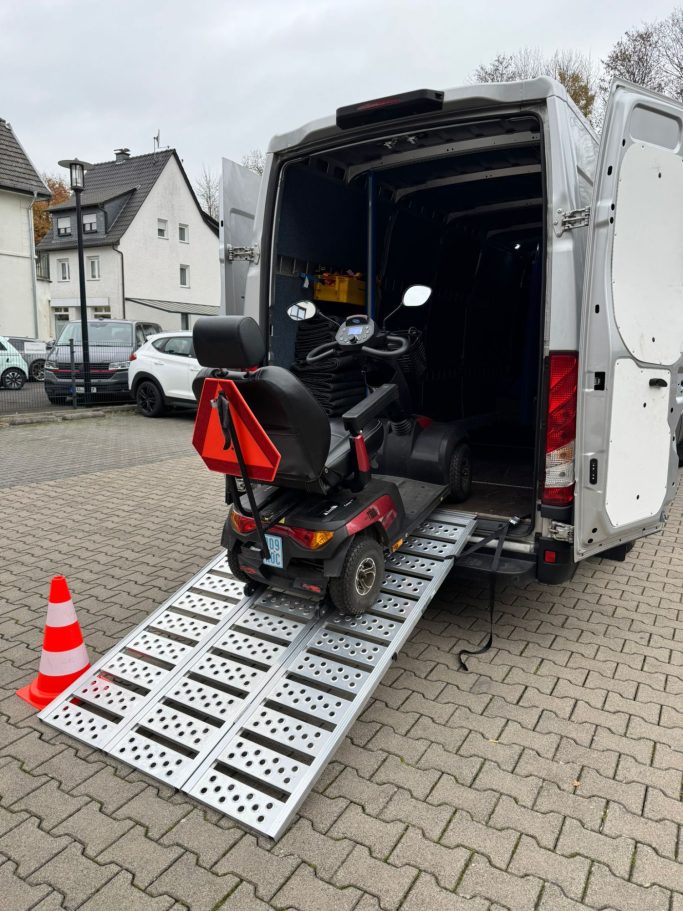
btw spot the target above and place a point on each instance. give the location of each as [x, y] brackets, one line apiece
[306, 536]
[558, 489]
[133, 357]
[243, 525]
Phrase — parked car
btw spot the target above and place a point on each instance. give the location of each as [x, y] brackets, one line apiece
[34, 352]
[161, 372]
[111, 343]
[13, 368]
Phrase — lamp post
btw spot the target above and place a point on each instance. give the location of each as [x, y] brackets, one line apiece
[77, 171]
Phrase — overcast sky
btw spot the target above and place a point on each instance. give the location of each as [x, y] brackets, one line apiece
[220, 77]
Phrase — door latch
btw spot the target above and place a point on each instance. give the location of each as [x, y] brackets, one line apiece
[251, 254]
[567, 221]
[560, 531]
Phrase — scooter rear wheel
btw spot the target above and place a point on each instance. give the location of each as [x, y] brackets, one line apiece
[362, 575]
[234, 565]
[460, 473]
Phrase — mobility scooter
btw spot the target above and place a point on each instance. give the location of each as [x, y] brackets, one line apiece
[317, 519]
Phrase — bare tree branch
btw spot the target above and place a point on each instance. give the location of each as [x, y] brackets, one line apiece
[576, 71]
[254, 160]
[207, 187]
[638, 57]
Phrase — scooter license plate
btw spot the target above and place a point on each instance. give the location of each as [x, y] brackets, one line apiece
[275, 548]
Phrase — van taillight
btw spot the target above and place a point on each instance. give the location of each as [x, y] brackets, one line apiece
[558, 487]
[392, 107]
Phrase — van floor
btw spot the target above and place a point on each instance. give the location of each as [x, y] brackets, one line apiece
[502, 480]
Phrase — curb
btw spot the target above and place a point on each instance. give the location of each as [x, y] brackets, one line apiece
[52, 417]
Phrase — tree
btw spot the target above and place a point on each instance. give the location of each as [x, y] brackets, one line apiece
[41, 217]
[639, 57]
[254, 160]
[207, 188]
[672, 52]
[576, 71]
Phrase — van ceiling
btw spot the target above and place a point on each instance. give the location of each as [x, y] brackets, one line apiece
[462, 169]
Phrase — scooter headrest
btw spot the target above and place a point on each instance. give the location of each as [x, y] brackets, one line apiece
[228, 341]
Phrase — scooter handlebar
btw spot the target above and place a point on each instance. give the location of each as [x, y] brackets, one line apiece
[321, 352]
[402, 346]
[324, 351]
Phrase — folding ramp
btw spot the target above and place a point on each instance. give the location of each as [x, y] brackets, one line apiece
[241, 701]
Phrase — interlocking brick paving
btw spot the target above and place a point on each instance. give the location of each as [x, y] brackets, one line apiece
[547, 778]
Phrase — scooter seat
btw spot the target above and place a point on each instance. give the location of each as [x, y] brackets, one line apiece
[340, 460]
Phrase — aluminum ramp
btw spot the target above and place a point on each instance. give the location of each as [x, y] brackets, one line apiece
[241, 701]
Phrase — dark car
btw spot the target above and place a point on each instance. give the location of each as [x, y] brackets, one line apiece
[111, 343]
[34, 352]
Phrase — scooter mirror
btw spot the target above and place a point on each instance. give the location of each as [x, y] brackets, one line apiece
[302, 310]
[416, 295]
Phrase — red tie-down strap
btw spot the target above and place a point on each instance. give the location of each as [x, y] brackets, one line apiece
[260, 455]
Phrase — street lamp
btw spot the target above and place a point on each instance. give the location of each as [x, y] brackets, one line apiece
[77, 171]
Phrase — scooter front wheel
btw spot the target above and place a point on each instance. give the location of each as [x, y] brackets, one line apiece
[362, 575]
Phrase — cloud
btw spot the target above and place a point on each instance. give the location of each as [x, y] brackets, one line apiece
[219, 77]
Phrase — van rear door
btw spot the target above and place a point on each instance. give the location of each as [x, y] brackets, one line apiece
[238, 197]
[630, 363]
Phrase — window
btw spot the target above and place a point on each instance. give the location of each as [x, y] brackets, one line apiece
[93, 267]
[162, 227]
[63, 227]
[61, 317]
[43, 266]
[184, 234]
[159, 343]
[90, 223]
[102, 312]
[150, 329]
[184, 276]
[106, 333]
[63, 270]
[181, 346]
[2, 347]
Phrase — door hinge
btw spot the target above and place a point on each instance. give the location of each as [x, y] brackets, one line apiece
[567, 221]
[252, 254]
[561, 532]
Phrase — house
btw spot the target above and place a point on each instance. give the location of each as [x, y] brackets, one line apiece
[20, 186]
[150, 252]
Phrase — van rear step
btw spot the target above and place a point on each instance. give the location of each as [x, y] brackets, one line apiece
[509, 569]
[241, 701]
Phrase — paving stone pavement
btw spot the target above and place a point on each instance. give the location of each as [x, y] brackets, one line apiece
[547, 778]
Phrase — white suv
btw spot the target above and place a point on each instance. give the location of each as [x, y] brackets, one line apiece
[161, 371]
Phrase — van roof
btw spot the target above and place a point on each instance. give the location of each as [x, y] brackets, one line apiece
[463, 98]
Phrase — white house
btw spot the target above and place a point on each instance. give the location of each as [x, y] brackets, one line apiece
[20, 186]
[150, 251]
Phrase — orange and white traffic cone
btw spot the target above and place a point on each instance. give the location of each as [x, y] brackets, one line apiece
[64, 656]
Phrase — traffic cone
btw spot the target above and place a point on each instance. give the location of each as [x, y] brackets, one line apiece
[64, 656]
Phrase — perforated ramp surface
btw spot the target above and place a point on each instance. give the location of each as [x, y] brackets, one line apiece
[240, 702]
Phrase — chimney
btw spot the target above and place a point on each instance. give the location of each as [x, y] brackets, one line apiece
[122, 155]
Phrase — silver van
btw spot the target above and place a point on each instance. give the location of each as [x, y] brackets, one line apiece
[555, 325]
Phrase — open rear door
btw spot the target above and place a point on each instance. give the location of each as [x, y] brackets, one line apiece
[239, 194]
[630, 363]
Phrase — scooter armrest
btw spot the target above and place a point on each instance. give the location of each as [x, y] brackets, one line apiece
[373, 406]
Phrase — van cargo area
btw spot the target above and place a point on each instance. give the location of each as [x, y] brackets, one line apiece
[458, 208]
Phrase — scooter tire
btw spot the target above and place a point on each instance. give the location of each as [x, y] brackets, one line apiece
[361, 579]
[460, 473]
[234, 565]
